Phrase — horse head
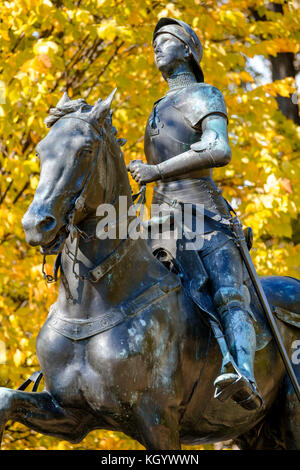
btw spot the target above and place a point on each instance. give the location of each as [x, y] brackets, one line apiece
[71, 163]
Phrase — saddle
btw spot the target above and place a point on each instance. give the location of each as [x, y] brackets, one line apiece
[291, 318]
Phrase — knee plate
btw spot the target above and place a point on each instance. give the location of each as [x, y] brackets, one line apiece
[227, 298]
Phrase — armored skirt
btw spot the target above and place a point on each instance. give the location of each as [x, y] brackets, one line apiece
[202, 192]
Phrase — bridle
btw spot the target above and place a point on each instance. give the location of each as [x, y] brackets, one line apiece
[76, 233]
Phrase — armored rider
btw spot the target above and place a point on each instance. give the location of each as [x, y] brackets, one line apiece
[185, 138]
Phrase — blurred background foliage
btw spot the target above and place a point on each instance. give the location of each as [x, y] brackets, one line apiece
[88, 47]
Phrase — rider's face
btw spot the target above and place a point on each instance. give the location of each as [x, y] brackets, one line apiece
[169, 52]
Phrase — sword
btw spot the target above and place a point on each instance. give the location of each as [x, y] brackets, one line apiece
[237, 230]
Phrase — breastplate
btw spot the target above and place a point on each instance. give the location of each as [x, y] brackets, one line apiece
[168, 134]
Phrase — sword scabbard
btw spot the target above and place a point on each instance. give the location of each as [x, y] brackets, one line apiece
[237, 230]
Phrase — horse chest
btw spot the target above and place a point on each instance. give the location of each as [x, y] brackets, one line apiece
[92, 369]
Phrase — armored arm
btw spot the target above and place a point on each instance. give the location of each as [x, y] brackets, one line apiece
[211, 151]
[204, 108]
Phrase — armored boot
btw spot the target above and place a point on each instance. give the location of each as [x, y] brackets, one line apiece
[238, 384]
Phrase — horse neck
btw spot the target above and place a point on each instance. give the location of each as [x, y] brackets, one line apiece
[110, 180]
[81, 298]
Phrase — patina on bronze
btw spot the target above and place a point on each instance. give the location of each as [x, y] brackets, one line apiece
[130, 350]
[185, 139]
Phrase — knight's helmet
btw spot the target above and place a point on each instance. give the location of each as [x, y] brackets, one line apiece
[184, 32]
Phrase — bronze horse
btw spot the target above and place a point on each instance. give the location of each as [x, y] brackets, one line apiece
[124, 348]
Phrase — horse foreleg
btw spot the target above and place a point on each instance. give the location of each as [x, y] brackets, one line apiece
[158, 427]
[42, 413]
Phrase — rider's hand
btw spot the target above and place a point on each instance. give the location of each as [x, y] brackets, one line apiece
[143, 173]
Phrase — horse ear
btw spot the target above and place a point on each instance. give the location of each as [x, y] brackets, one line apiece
[101, 108]
[64, 99]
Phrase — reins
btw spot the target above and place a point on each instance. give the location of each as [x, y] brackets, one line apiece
[93, 275]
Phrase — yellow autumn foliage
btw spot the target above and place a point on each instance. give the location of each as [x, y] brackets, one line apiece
[89, 47]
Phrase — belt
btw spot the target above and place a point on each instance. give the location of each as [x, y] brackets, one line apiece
[217, 218]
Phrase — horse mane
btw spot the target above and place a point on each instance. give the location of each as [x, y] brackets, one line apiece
[63, 109]
[67, 106]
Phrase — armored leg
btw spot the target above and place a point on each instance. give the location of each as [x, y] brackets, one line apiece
[241, 339]
[233, 312]
[232, 299]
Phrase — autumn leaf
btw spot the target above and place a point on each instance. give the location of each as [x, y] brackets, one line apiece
[89, 48]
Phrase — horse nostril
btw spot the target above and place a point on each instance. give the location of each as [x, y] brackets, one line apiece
[47, 224]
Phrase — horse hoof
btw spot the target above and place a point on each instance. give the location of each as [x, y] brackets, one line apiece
[240, 389]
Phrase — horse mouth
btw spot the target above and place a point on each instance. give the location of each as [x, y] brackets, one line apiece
[55, 246]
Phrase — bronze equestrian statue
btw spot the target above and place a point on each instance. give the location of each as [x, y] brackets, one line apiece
[126, 347]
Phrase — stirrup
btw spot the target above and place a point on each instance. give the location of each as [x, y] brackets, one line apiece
[35, 378]
[242, 390]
